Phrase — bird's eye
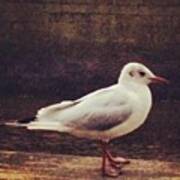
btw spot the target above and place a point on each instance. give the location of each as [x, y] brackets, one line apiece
[142, 74]
[131, 73]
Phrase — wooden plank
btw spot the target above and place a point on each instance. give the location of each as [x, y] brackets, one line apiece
[21, 165]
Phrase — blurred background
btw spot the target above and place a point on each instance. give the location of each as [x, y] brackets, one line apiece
[51, 50]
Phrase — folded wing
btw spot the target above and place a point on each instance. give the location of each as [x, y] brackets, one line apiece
[98, 111]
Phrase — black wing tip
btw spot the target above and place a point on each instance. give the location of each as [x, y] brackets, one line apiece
[26, 120]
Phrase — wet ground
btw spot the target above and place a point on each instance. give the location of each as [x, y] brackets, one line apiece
[158, 138]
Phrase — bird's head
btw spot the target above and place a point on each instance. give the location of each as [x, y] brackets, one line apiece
[139, 73]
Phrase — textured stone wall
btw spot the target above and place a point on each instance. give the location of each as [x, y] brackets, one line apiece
[147, 24]
[49, 44]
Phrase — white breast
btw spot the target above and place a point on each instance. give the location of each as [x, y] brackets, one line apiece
[141, 103]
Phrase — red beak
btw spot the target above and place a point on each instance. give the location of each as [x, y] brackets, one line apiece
[158, 79]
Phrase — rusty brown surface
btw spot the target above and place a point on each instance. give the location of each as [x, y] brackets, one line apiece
[21, 165]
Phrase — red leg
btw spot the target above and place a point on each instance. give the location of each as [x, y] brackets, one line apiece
[117, 160]
[103, 160]
[107, 169]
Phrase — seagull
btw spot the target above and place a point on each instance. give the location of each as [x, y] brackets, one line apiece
[104, 114]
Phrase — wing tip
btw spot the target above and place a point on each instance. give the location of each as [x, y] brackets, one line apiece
[26, 120]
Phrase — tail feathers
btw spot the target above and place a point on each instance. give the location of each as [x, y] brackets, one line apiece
[50, 126]
[21, 123]
[32, 124]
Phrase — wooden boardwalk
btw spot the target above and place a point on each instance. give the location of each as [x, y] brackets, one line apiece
[30, 166]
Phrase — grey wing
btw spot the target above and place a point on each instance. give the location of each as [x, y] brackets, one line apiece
[55, 108]
[69, 103]
[99, 111]
[101, 119]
